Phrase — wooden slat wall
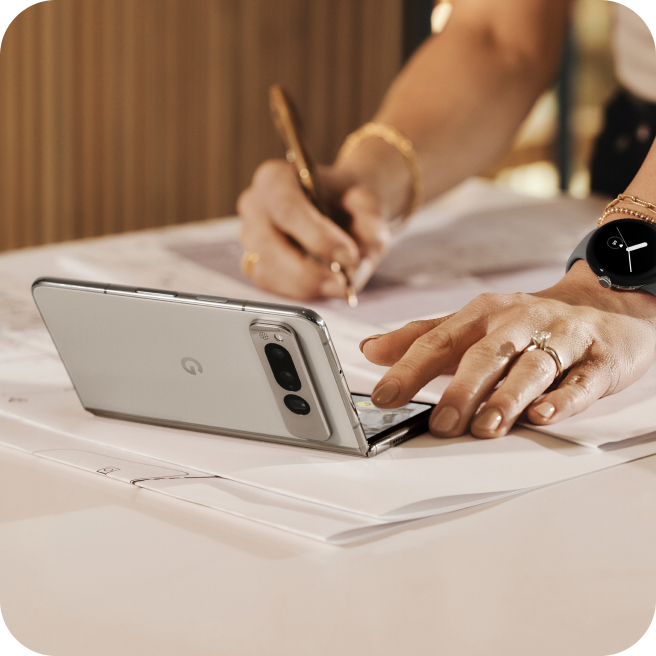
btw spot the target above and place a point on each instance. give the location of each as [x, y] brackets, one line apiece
[124, 114]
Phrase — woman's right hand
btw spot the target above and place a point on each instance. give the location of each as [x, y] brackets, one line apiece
[277, 218]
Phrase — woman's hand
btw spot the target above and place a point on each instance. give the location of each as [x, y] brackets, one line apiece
[605, 338]
[277, 219]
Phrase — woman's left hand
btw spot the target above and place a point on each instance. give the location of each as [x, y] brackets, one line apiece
[605, 338]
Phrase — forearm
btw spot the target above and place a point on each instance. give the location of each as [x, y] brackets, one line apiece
[462, 97]
[643, 185]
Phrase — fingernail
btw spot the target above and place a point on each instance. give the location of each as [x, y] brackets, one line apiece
[488, 420]
[332, 287]
[544, 409]
[368, 339]
[363, 273]
[344, 257]
[445, 420]
[386, 393]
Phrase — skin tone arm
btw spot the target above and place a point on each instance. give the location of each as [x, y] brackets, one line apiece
[460, 100]
[605, 337]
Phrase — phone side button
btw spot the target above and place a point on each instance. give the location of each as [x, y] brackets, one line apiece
[156, 293]
[212, 299]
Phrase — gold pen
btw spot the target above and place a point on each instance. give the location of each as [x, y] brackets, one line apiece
[286, 120]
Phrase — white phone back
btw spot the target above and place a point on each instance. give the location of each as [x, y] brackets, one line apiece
[124, 350]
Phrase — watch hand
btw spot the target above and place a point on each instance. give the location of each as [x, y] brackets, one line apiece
[622, 238]
[628, 252]
[636, 247]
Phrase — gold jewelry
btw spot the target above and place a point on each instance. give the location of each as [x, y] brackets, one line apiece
[612, 208]
[248, 259]
[395, 139]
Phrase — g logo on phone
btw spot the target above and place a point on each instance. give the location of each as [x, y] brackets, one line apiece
[191, 366]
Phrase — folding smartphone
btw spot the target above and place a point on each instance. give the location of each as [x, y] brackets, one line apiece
[238, 368]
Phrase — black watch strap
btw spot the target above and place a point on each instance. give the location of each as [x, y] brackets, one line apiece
[579, 251]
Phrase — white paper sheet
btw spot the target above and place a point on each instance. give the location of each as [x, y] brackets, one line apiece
[321, 495]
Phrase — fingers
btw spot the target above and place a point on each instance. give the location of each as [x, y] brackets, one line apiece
[529, 377]
[582, 386]
[277, 215]
[276, 196]
[283, 269]
[428, 356]
[388, 349]
[524, 376]
[480, 369]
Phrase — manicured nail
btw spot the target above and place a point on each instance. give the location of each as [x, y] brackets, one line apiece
[386, 393]
[445, 420]
[343, 257]
[332, 287]
[488, 420]
[363, 273]
[368, 339]
[544, 409]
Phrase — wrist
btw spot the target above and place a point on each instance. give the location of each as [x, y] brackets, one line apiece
[382, 169]
[580, 286]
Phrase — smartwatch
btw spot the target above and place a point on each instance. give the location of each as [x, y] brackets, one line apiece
[622, 254]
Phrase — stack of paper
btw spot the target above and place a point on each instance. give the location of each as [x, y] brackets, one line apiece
[324, 496]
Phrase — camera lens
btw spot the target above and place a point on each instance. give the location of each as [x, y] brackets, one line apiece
[283, 367]
[297, 405]
[278, 352]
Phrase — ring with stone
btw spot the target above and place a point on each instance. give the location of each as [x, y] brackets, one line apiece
[540, 340]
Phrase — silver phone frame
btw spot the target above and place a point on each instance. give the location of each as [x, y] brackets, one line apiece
[278, 313]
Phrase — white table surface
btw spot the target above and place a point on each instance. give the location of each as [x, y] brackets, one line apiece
[94, 566]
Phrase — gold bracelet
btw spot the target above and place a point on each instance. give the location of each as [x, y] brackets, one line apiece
[394, 138]
[623, 210]
[612, 208]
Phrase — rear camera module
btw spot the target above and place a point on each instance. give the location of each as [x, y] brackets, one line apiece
[283, 367]
[297, 405]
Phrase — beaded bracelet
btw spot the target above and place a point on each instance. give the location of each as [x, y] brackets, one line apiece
[612, 208]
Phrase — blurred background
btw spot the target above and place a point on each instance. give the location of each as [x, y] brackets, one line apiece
[120, 115]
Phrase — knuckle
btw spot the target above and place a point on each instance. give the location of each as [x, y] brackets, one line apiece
[436, 340]
[271, 171]
[408, 367]
[490, 300]
[579, 384]
[543, 365]
[459, 392]
[509, 399]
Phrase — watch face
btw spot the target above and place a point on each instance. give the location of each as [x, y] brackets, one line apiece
[625, 251]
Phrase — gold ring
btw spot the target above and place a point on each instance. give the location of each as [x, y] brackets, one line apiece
[248, 260]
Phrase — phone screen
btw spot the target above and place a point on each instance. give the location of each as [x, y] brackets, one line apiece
[378, 420]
